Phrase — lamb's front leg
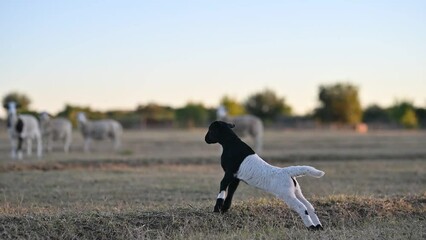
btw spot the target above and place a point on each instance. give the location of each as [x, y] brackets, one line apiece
[231, 190]
[226, 180]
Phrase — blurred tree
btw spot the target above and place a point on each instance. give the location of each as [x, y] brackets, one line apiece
[21, 99]
[156, 115]
[340, 104]
[403, 112]
[192, 115]
[156, 112]
[267, 105]
[128, 119]
[375, 113]
[409, 119]
[70, 112]
[398, 109]
[233, 107]
[421, 116]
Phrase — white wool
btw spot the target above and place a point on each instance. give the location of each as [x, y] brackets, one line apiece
[278, 181]
[258, 173]
[99, 130]
[222, 195]
[30, 131]
[56, 129]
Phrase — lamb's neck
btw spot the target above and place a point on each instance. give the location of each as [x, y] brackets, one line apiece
[12, 119]
[230, 142]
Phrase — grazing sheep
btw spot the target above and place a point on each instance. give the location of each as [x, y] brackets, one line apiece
[240, 162]
[99, 130]
[22, 127]
[245, 125]
[55, 129]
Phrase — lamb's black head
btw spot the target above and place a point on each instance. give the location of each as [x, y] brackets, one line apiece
[218, 131]
[11, 106]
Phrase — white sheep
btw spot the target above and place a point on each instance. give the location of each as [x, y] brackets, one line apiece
[99, 130]
[55, 129]
[245, 125]
[22, 127]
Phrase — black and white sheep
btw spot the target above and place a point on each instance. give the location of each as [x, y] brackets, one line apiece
[55, 129]
[22, 127]
[245, 125]
[241, 163]
[99, 130]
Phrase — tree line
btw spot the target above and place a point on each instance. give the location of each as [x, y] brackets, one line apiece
[339, 104]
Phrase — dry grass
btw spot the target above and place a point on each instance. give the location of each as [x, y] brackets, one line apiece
[261, 218]
[163, 184]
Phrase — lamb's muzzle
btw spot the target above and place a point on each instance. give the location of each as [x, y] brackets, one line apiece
[240, 162]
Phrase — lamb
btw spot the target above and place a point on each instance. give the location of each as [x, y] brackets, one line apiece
[99, 130]
[241, 163]
[245, 125]
[55, 129]
[22, 127]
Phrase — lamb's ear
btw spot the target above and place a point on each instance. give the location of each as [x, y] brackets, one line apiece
[231, 125]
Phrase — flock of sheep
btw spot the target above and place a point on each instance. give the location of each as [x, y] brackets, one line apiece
[24, 128]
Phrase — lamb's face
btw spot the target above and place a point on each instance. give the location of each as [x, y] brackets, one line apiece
[44, 116]
[11, 107]
[217, 130]
[81, 117]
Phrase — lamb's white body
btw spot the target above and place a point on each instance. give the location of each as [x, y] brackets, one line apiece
[99, 130]
[30, 131]
[278, 181]
[56, 129]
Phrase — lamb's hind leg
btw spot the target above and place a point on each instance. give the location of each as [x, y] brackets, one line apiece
[299, 207]
[309, 207]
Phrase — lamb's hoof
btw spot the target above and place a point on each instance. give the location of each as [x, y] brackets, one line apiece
[312, 228]
[315, 228]
[319, 227]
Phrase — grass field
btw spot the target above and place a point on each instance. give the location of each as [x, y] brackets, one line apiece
[163, 185]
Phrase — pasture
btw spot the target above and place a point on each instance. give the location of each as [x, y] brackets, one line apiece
[162, 184]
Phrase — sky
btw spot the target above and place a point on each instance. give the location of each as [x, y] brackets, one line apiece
[121, 54]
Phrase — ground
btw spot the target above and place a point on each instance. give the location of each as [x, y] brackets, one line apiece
[162, 184]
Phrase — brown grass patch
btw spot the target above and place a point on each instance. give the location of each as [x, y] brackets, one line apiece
[336, 212]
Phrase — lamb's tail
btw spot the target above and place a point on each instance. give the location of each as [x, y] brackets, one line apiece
[297, 171]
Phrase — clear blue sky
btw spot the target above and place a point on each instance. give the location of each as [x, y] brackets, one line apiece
[118, 54]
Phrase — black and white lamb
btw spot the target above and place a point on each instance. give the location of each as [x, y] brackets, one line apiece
[22, 127]
[240, 162]
[245, 125]
[55, 129]
[99, 130]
